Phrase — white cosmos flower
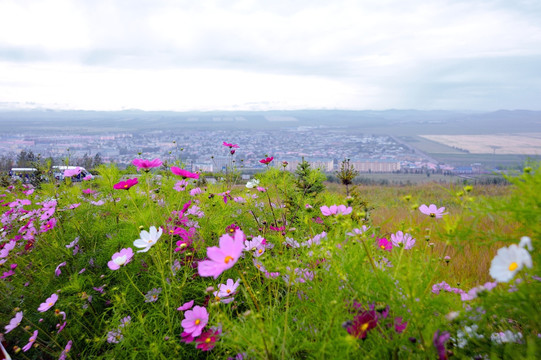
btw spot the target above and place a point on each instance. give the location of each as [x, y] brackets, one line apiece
[148, 238]
[252, 183]
[508, 261]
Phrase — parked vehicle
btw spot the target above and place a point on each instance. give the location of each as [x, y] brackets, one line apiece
[23, 174]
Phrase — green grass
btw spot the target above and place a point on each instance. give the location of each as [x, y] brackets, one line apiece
[314, 300]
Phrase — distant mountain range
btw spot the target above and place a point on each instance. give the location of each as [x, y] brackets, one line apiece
[393, 122]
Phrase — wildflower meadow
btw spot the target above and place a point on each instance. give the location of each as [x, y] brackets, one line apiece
[155, 262]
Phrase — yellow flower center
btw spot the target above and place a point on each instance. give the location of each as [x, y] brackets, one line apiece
[197, 322]
[432, 215]
[125, 186]
[50, 304]
[228, 259]
[513, 266]
[382, 246]
[228, 291]
[364, 327]
[207, 340]
[217, 298]
[260, 251]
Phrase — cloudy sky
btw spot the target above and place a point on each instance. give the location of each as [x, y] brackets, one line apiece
[274, 54]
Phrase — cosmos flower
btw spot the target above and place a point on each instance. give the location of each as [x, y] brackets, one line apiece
[385, 244]
[405, 239]
[224, 256]
[195, 320]
[225, 291]
[152, 295]
[65, 351]
[184, 173]
[147, 239]
[31, 341]
[335, 210]
[252, 183]
[357, 231]
[207, 340]
[72, 172]
[49, 303]
[13, 323]
[126, 185]
[266, 161]
[186, 306]
[120, 258]
[439, 341]
[231, 146]
[432, 211]
[146, 165]
[361, 324]
[57, 271]
[508, 261]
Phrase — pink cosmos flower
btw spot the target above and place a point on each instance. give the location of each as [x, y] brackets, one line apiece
[120, 258]
[195, 191]
[195, 320]
[405, 239]
[74, 206]
[357, 231]
[207, 340]
[432, 211]
[385, 244]
[226, 290]
[89, 191]
[184, 173]
[267, 160]
[261, 189]
[49, 303]
[224, 256]
[65, 351]
[439, 340]
[186, 306]
[13, 323]
[231, 146]
[126, 185]
[72, 172]
[31, 341]
[336, 210]
[180, 185]
[400, 325]
[57, 271]
[48, 225]
[88, 177]
[146, 165]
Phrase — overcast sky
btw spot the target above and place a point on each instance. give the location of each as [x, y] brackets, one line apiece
[274, 54]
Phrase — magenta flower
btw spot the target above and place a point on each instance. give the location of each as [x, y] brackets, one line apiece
[186, 306]
[57, 271]
[49, 303]
[432, 211]
[89, 191]
[126, 185]
[266, 161]
[31, 341]
[439, 342]
[362, 323]
[231, 146]
[195, 320]
[146, 165]
[48, 225]
[224, 256]
[184, 173]
[405, 239]
[120, 258]
[13, 323]
[336, 210]
[385, 244]
[72, 172]
[400, 325]
[207, 340]
[65, 351]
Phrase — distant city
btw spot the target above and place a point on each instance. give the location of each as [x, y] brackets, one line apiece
[197, 142]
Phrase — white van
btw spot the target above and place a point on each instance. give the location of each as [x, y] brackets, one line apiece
[58, 172]
[23, 174]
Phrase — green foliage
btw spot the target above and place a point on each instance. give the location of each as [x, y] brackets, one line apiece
[346, 174]
[296, 299]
